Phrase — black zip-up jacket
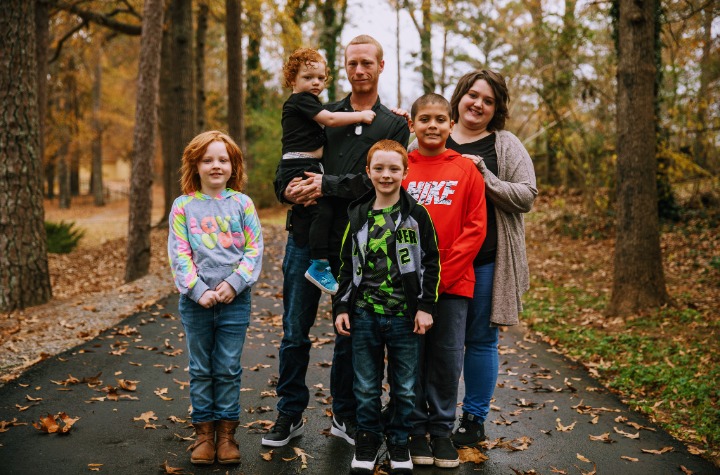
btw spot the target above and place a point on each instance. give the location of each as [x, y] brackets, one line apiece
[414, 250]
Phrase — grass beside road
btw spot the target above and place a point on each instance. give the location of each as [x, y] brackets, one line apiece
[663, 362]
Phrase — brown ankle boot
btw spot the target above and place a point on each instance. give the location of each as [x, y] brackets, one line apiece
[227, 449]
[203, 450]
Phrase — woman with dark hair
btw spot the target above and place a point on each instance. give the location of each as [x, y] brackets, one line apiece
[479, 110]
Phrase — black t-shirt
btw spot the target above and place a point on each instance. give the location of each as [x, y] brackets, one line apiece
[300, 132]
[485, 148]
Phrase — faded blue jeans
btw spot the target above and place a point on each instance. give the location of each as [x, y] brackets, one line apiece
[441, 360]
[215, 338]
[481, 346]
[300, 303]
[371, 334]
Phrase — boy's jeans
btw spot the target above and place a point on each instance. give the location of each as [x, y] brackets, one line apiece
[441, 360]
[215, 338]
[481, 346]
[300, 302]
[371, 333]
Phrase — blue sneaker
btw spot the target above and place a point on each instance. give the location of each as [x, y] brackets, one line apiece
[319, 274]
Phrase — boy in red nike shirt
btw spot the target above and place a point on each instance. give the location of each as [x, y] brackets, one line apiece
[453, 191]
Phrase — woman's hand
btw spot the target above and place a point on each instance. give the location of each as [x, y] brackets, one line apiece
[476, 159]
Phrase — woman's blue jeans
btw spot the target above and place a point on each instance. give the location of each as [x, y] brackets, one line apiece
[215, 338]
[371, 334]
[481, 341]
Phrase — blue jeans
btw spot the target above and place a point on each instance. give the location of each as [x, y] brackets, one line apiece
[371, 333]
[441, 360]
[481, 346]
[215, 338]
[300, 303]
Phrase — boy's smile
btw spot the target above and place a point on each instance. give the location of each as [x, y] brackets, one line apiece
[432, 126]
[386, 171]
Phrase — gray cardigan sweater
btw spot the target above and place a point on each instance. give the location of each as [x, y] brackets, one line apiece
[513, 192]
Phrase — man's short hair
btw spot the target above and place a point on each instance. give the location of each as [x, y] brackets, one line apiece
[428, 99]
[387, 145]
[367, 40]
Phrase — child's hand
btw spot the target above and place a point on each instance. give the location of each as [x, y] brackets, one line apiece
[423, 322]
[401, 112]
[367, 116]
[342, 323]
[225, 292]
[208, 299]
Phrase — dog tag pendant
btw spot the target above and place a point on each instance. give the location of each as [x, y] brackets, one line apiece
[358, 129]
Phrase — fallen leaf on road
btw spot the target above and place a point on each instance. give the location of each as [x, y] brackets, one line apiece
[172, 470]
[657, 452]
[557, 470]
[637, 426]
[563, 428]
[94, 467]
[32, 399]
[631, 459]
[127, 385]
[302, 455]
[161, 393]
[695, 450]
[602, 438]
[51, 423]
[627, 434]
[267, 456]
[471, 454]
[686, 470]
[582, 458]
[146, 416]
[182, 383]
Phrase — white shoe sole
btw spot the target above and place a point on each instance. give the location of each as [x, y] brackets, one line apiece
[422, 460]
[338, 433]
[280, 443]
[318, 284]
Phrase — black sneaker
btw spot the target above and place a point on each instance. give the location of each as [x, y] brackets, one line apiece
[399, 459]
[420, 452]
[444, 452]
[344, 428]
[285, 428]
[366, 452]
[470, 432]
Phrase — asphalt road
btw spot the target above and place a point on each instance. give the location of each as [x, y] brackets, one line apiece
[539, 392]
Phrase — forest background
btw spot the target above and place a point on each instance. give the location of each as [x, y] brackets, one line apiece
[216, 65]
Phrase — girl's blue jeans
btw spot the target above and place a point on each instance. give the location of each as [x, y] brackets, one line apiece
[215, 338]
[481, 341]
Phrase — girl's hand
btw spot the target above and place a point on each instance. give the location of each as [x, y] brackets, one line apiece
[423, 322]
[208, 299]
[342, 324]
[476, 159]
[225, 292]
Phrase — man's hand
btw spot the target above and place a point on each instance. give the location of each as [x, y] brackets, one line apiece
[208, 299]
[423, 322]
[225, 292]
[342, 323]
[305, 191]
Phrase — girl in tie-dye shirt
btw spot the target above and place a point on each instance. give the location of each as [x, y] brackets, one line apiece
[215, 247]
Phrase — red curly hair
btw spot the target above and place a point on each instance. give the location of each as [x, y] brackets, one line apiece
[189, 176]
[300, 57]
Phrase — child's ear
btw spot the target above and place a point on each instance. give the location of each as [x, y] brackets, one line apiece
[367, 170]
[411, 124]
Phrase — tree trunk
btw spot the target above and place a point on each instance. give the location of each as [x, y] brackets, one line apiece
[165, 119]
[63, 170]
[73, 120]
[398, 55]
[24, 276]
[638, 281]
[182, 98]
[706, 65]
[333, 12]
[139, 224]
[426, 65]
[42, 33]
[236, 100]
[255, 75]
[96, 181]
[200, 38]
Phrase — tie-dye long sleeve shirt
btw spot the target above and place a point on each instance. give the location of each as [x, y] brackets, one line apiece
[214, 239]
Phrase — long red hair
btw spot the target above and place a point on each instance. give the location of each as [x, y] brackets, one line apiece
[189, 177]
